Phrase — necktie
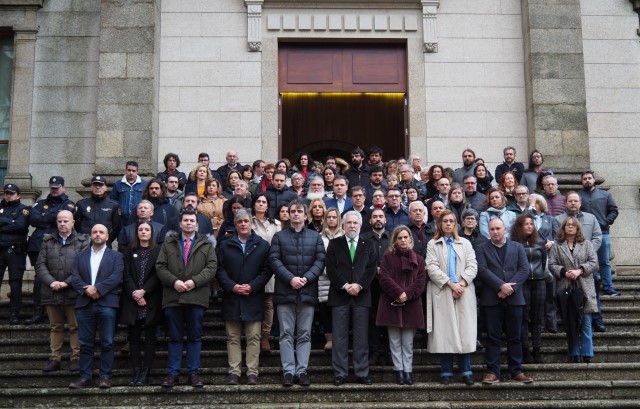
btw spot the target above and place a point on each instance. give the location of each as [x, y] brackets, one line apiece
[352, 249]
[187, 247]
[451, 261]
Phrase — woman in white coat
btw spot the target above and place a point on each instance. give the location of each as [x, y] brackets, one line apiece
[451, 298]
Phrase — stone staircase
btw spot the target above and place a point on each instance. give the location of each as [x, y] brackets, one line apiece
[612, 381]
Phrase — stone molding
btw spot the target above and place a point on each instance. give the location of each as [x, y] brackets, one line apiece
[254, 24]
[365, 23]
[21, 3]
[636, 8]
[430, 25]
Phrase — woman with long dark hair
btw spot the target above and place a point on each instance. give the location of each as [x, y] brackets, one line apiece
[572, 261]
[141, 306]
[484, 178]
[524, 231]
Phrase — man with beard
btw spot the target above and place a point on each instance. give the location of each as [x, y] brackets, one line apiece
[174, 195]
[468, 166]
[14, 227]
[351, 266]
[357, 174]
[316, 189]
[190, 202]
[600, 203]
[510, 164]
[156, 193]
[357, 204]
[379, 236]
[43, 217]
[278, 193]
[376, 176]
[99, 209]
[375, 157]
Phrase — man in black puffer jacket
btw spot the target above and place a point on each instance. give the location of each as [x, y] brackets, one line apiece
[297, 260]
[99, 209]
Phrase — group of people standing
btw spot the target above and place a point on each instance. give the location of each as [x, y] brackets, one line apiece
[379, 260]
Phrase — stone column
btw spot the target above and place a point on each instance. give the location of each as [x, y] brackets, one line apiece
[126, 86]
[555, 85]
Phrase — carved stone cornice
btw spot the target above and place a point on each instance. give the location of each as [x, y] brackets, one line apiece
[430, 25]
[21, 3]
[333, 4]
[254, 24]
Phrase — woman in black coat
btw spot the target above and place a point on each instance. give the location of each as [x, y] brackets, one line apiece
[141, 301]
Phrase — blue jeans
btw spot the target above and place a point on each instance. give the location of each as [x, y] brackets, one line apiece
[584, 345]
[180, 320]
[298, 317]
[464, 364]
[91, 319]
[509, 317]
[604, 254]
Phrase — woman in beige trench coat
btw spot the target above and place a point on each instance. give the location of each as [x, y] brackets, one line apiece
[451, 299]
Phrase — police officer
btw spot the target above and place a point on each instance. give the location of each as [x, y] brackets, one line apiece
[99, 209]
[43, 218]
[14, 227]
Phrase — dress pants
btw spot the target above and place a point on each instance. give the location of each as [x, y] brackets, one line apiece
[508, 317]
[299, 318]
[179, 320]
[401, 347]
[359, 317]
[16, 263]
[234, 347]
[57, 314]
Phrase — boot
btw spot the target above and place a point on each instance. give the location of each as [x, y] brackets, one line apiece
[14, 316]
[527, 358]
[143, 378]
[136, 377]
[537, 356]
[329, 345]
[408, 378]
[265, 346]
[37, 317]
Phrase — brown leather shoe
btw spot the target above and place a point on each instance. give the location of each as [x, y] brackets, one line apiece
[51, 366]
[265, 346]
[105, 382]
[522, 377]
[81, 384]
[170, 381]
[490, 379]
[195, 381]
[74, 365]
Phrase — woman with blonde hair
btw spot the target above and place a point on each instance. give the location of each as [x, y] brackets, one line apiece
[331, 229]
[315, 215]
[402, 281]
[198, 180]
[451, 298]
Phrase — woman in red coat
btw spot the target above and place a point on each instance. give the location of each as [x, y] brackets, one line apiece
[402, 281]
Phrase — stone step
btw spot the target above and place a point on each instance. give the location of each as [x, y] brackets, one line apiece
[213, 395]
[324, 374]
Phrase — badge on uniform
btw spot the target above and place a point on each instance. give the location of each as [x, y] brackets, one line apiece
[46, 206]
[1, 210]
[25, 212]
[88, 209]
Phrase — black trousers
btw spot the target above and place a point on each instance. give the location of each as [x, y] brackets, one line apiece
[16, 262]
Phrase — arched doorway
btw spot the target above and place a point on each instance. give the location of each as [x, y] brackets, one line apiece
[334, 97]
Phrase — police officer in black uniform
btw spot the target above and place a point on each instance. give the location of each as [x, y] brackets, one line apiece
[14, 227]
[99, 209]
[43, 218]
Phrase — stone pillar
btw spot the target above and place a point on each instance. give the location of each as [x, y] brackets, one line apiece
[126, 86]
[22, 98]
[555, 84]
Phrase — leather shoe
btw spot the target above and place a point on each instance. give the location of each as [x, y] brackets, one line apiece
[552, 330]
[522, 377]
[400, 377]
[287, 380]
[170, 381]
[252, 380]
[74, 365]
[233, 379]
[468, 380]
[586, 359]
[490, 379]
[51, 366]
[408, 378]
[445, 380]
[195, 381]
[304, 379]
[81, 384]
[575, 359]
[599, 328]
[339, 380]
[365, 380]
[105, 382]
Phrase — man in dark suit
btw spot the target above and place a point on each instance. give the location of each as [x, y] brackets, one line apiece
[340, 200]
[351, 266]
[503, 269]
[97, 274]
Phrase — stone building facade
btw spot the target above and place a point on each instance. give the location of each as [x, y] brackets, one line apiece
[98, 82]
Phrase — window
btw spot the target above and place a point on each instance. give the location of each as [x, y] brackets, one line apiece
[7, 55]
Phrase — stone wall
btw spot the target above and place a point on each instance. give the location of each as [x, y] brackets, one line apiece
[65, 92]
[612, 74]
[475, 88]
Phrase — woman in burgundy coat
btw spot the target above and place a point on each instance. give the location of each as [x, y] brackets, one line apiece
[402, 281]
